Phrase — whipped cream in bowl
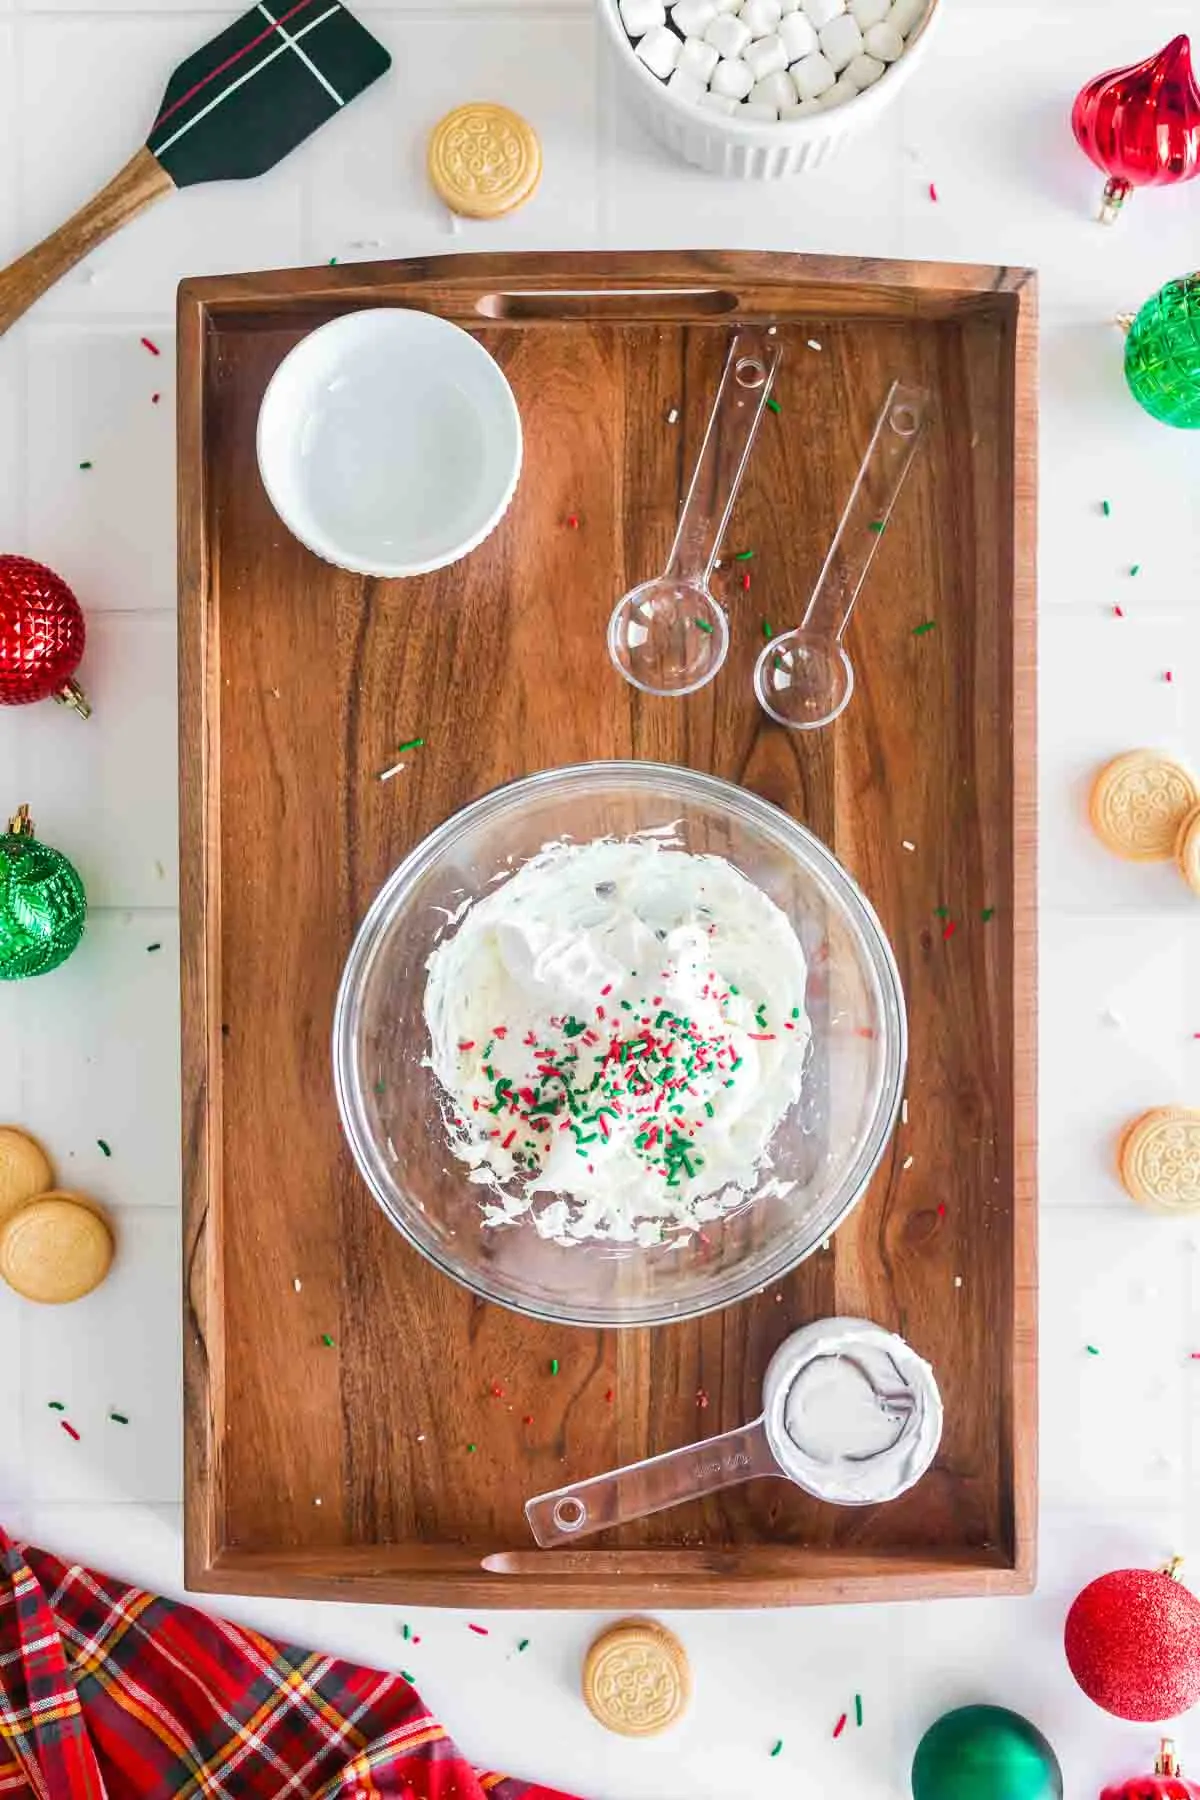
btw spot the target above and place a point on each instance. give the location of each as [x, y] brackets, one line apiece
[618, 1044]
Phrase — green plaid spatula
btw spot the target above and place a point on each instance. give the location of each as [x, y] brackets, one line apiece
[231, 111]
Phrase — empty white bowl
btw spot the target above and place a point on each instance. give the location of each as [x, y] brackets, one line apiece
[389, 442]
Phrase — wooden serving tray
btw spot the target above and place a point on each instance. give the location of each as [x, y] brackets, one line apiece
[345, 1470]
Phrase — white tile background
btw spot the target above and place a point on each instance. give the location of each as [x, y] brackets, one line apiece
[92, 1050]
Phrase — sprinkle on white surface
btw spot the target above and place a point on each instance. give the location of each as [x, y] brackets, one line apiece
[673, 416]
[904, 1110]
[907, 844]
[815, 344]
[386, 774]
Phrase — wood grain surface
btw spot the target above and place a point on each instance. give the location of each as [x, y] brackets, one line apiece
[297, 679]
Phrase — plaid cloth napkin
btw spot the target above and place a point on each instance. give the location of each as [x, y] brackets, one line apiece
[109, 1693]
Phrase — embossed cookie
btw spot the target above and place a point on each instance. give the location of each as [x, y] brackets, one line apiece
[484, 160]
[24, 1170]
[636, 1679]
[56, 1248]
[1139, 801]
[1158, 1159]
[1187, 849]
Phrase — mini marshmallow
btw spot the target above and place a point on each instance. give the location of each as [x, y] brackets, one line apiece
[841, 42]
[756, 110]
[718, 103]
[788, 6]
[762, 16]
[821, 11]
[812, 76]
[697, 60]
[864, 71]
[906, 15]
[884, 43]
[777, 90]
[685, 86]
[800, 109]
[764, 57]
[691, 18]
[841, 91]
[640, 16]
[731, 78]
[799, 38]
[728, 6]
[659, 50]
[727, 35]
[869, 12]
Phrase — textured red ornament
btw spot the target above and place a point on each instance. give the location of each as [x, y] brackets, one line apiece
[1141, 125]
[1166, 1783]
[1133, 1642]
[41, 636]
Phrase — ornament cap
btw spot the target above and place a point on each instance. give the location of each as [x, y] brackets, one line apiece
[1168, 1762]
[72, 695]
[21, 825]
[1172, 1567]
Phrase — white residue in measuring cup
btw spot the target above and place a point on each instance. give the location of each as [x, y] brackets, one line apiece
[853, 1415]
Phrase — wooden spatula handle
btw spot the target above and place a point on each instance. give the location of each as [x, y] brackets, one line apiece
[142, 180]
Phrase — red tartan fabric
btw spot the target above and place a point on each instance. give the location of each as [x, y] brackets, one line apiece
[110, 1693]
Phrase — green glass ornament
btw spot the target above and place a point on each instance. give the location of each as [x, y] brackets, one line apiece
[1162, 354]
[42, 903]
[985, 1753]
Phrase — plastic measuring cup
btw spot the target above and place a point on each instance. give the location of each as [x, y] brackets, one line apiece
[804, 677]
[668, 635]
[850, 1413]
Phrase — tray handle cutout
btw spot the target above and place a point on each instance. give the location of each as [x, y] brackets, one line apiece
[608, 303]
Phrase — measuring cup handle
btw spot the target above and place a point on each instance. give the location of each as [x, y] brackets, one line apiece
[647, 1487]
[744, 391]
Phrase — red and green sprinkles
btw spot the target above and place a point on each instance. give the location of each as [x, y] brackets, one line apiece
[592, 1077]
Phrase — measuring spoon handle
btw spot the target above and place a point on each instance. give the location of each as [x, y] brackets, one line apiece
[744, 391]
[648, 1487]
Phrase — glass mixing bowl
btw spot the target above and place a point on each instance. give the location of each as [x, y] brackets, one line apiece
[827, 1145]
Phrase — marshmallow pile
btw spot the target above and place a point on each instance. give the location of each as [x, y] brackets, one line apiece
[770, 59]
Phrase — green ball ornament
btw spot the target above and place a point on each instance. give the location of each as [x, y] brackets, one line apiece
[42, 903]
[1162, 354]
[985, 1753]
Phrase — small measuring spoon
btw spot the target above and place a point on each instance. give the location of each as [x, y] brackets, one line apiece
[804, 678]
[669, 636]
[850, 1413]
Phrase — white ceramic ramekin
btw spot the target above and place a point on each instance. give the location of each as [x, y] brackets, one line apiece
[754, 151]
[389, 442]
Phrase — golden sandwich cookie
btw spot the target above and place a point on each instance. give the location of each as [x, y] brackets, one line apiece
[24, 1170]
[1158, 1159]
[56, 1248]
[1138, 803]
[484, 160]
[636, 1679]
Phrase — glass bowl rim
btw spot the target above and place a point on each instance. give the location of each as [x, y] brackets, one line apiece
[776, 823]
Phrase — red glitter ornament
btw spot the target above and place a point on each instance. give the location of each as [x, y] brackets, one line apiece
[1141, 125]
[1133, 1642]
[1166, 1783]
[42, 636]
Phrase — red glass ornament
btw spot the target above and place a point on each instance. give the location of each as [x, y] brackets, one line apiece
[1133, 1642]
[1141, 125]
[1166, 1783]
[42, 635]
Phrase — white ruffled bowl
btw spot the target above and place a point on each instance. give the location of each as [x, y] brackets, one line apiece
[757, 150]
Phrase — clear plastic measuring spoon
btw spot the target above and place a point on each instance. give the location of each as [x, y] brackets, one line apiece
[668, 635]
[804, 677]
[850, 1414]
